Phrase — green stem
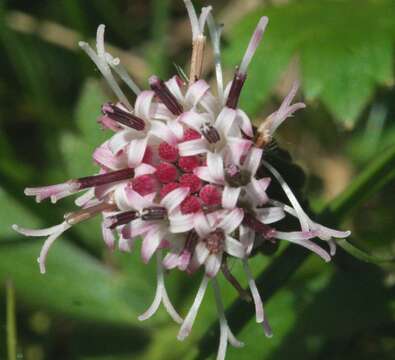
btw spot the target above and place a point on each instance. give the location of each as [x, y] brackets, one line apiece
[239, 313]
[11, 327]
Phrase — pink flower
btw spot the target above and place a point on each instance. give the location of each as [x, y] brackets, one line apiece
[180, 173]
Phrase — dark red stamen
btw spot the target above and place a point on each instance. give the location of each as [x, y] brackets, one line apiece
[103, 179]
[123, 117]
[235, 89]
[121, 219]
[154, 213]
[164, 94]
[252, 222]
[210, 133]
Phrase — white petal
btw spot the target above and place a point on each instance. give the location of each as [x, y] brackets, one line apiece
[136, 151]
[196, 91]
[120, 140]
[259, 189]
[238, 148]
[216, 167]
[225, 120]
[234, 247]
[174, 198]
[174, 87]
[201, 252]
[244, 123]
[253, 160]
[151, 243]
[108, 236]
[143, 104]
[230, 196]
[270, 215]
[202, 226]
[203, 173]
[163, 132]
[193, 147]
[190, 318]
[259, 312]
[144, 169]
[232, 220]
[181, 223]
[193, 119]
[212, 264]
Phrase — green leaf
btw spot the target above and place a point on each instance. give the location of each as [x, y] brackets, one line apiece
[76, 285]
[77, 147]
[345, 48]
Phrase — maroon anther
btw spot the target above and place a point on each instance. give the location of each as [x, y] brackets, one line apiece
[215, 241]
[154, 213]
[266, 231]
[123, 117]
[121, 219]
[192, 239]
[235, 89]
[103, 179]
[163, 93]
[210, 133]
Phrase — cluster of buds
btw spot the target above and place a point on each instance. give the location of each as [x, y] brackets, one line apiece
[179, 173]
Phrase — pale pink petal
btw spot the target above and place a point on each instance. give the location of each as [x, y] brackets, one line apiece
[120, 140]
[194, 120]
[161, 131]
[136, 151]
[181, 223]
[225, 120]
[232, 220]
[259, 312]
[270, 215]
[201, 253]
[193, 147]
[143, 104]
[253, 160]
[216, 167]
[244, 122]
[213, 264]
[108, 236]
[259, 189]
[174, 198]
[174, 86]
[105, 157]
[151, 243]
[144, 169]
[230, 196]
[238, 148]
[203, 173]
[190, 318]
[202, 226]
[234, 247]
[196, 91]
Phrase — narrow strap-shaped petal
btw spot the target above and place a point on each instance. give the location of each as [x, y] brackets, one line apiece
[234, 247]
[230, 196]
[143, 104]
[186, 326]
[225, 120]
[202, 226]
[174, 198]
[193, 147]
[253, 160]
[213, 264]
[136, 151]
[151, 243]
[196, 91]
[231, 220]
[216, 167]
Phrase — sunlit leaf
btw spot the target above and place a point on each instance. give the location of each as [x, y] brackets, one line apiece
[345, 48]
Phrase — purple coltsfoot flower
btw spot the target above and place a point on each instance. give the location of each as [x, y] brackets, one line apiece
[179, 172]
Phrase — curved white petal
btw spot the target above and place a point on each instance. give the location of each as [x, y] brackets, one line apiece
[230, 196]
[225, 120]
[231, 221]
[174, 198]
[196, 91]
[151, 243]
[253, 160]
[202, 226]
[270, 215]
[193, 147]
[215, 166]
[136, 151]
[244, 122]
[143, 104]
[213, 264]
[234, 247]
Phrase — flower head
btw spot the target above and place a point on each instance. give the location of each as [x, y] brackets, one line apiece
[180, 173]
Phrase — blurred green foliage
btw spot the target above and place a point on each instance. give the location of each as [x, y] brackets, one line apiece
[86, 307]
